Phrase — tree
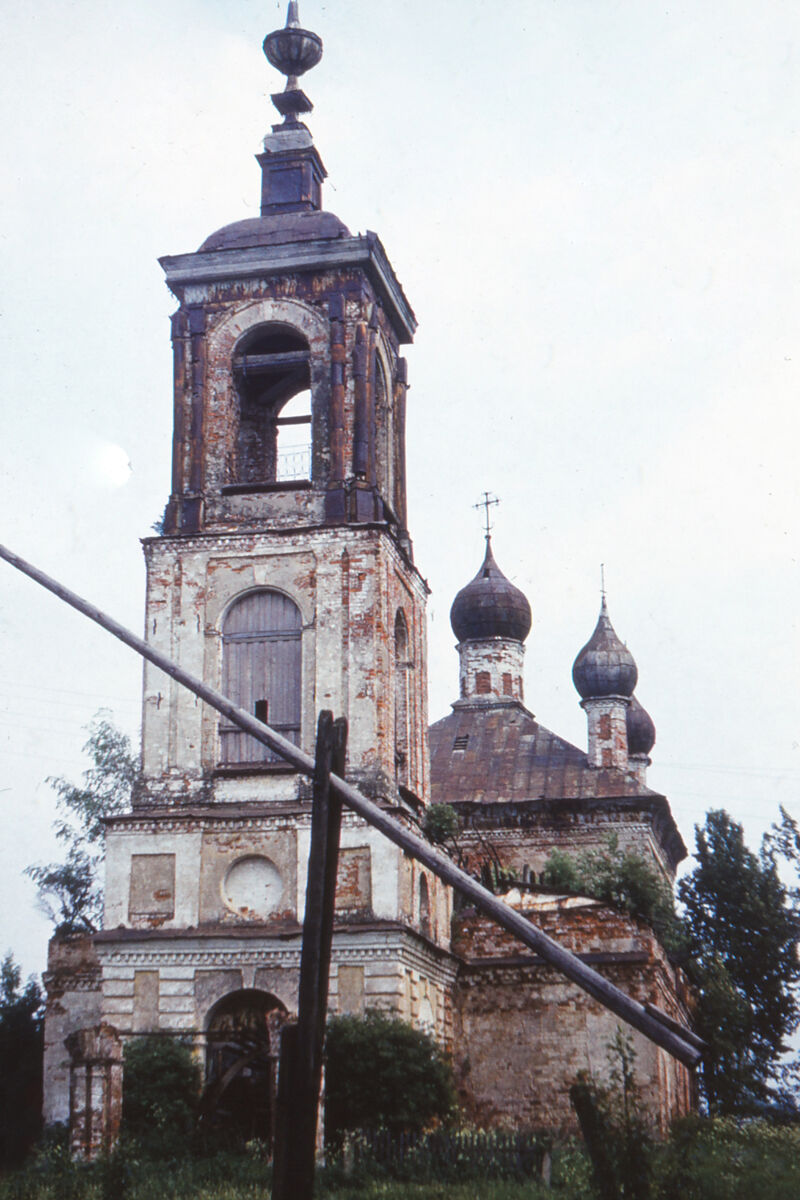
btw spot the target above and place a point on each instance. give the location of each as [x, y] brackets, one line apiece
[70, 891]
[21, 1016]
[743, 934]
[380, 1072]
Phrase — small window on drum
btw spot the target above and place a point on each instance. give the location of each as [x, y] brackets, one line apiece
[261, 673]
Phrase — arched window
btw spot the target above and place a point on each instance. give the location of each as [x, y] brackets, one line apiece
[401, 716]
[272, 372]
[261, 672]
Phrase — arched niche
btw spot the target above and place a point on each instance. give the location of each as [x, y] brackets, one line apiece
[242, 1049]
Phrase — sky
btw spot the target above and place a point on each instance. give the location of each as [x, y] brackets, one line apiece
[591, 205]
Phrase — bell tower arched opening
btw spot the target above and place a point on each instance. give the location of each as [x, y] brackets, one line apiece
[271, 369]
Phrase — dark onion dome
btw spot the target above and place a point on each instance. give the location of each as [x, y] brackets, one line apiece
[641, 730]
[490, 606]
[604, 667]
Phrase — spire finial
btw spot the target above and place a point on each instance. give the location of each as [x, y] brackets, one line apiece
[292, 51]
[487, 503]
[603, 583]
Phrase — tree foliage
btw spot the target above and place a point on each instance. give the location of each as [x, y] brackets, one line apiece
[382, 1073]
[69, 891]
[21, 1016]
[622, 878]
[160, 1094]
[743, 934]
[440, 823]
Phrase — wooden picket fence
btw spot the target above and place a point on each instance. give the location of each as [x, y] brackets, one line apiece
[450, 1154]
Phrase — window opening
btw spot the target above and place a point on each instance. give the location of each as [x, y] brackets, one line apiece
[272, 370]
[293, 459]
[261, 673]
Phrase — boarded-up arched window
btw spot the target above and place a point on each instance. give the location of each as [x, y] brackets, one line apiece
[261, 672]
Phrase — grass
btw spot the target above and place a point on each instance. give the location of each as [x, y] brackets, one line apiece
[704, 1160]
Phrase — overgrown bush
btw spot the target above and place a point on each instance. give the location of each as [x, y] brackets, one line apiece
[623, 879]
[440, 823]
[161, 1088]
[383, 1073]
[725, 1159]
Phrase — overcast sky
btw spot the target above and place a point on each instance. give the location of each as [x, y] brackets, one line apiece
[592, 205]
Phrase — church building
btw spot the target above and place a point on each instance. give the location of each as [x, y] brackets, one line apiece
[285, 578]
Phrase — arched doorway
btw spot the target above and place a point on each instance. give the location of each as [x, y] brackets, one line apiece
[242, 1047]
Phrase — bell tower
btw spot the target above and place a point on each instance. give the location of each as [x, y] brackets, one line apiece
[285, 560]
[284, 577]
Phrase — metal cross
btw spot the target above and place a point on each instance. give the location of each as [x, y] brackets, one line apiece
[486, 503]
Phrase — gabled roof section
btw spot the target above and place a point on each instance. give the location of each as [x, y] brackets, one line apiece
[498, 754]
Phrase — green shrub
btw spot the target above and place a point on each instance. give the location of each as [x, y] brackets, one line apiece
[383, 1073]
[623, 879]
[160, 1091]
[440, 823]
[725, 1159]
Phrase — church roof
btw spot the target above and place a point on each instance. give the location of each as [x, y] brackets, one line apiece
[500, 753]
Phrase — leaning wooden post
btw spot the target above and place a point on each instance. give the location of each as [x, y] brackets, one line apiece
[301, 1044]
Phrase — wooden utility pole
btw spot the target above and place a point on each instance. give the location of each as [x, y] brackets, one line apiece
[301, 1044]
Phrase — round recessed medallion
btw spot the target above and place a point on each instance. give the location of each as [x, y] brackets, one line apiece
[253, 887]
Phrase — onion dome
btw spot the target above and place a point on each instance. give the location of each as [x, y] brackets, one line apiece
[604, 667]
[641, 730]
[490, 606]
